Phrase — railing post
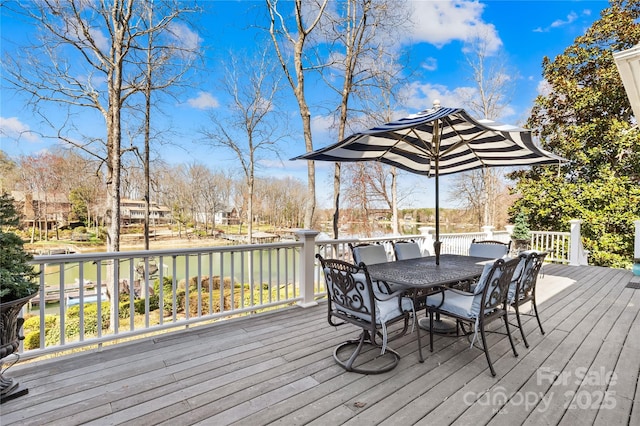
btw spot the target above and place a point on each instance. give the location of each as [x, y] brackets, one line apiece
[509, 229]
[427, 242]
[576, 255]
[307, 262]
[488, 232]
[635, 267]
[636, 245]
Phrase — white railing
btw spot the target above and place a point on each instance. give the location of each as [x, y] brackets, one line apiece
[555, 243]
[189, 286]
[79, 292]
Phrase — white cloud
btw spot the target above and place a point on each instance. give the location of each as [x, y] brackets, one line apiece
[99, 39]
[13, 128]
[204, 100]
[571, 17]
[323, 129]
[185, 37]
[440, 22]
[421, 96]
[430, 64]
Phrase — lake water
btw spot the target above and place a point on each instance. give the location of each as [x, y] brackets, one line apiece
[269, 266]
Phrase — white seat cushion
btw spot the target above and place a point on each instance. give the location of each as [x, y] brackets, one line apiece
[490, 251]
[516, 278]
[407, 251]
[370, 255]
[479, 287]
[388, 309]
[459, 303]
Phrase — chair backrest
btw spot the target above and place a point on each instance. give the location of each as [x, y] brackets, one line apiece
[368, 254]
[406, 250]
[493, 286]
[526, 275]
[349, 290]
[489, 248]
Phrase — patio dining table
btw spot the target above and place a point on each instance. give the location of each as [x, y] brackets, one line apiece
[422, 276]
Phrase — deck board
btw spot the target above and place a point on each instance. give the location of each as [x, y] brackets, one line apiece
[277, 368]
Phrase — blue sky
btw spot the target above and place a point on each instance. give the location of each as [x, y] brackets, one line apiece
[522, 32]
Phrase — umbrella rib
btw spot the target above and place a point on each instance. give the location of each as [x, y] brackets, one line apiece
[462, 140]
[426, 148]
[401, 138]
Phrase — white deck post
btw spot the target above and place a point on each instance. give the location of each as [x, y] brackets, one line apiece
[636, 245]
[576, 255]
[307, 262]
[488, 232]
[427, 243]
[509, 229]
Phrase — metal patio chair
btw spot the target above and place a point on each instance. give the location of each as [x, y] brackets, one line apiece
[523, 287]
[370, 254]
[352, 299]
[486, 304]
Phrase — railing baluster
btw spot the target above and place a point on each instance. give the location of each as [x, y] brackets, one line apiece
[161, 289]
[199, 284]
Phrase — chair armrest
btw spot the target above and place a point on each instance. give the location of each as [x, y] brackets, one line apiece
[383, 286]
[443, 292]
[382, 296]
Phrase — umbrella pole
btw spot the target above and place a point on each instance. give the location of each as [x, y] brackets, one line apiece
[437, 243]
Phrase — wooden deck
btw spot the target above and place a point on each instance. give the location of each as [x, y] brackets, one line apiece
[278, 368]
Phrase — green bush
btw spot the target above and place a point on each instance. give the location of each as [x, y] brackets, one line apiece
[521, 229]
[91, 318]
[33, 323]
[168, 302]
[123, 309]
[72, 327]
[52, 337]
[31, 328]
[154, 302]
[31, 340]
[139, 305]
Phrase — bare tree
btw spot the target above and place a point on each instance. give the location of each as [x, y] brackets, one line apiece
[87, 58]
[164, 61]
[282, 201]
[483, 189]
[361, 34]
[8, 173]
[250, 123]
[283, 40]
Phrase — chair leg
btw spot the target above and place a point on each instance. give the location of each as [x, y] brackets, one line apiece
[506, 324]
[348, 365]
[524, 339]
[535, 309]
[365, 338]
[420, 356]
[486, 349]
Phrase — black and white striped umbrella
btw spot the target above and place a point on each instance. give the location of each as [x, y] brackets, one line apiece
[436, 142]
